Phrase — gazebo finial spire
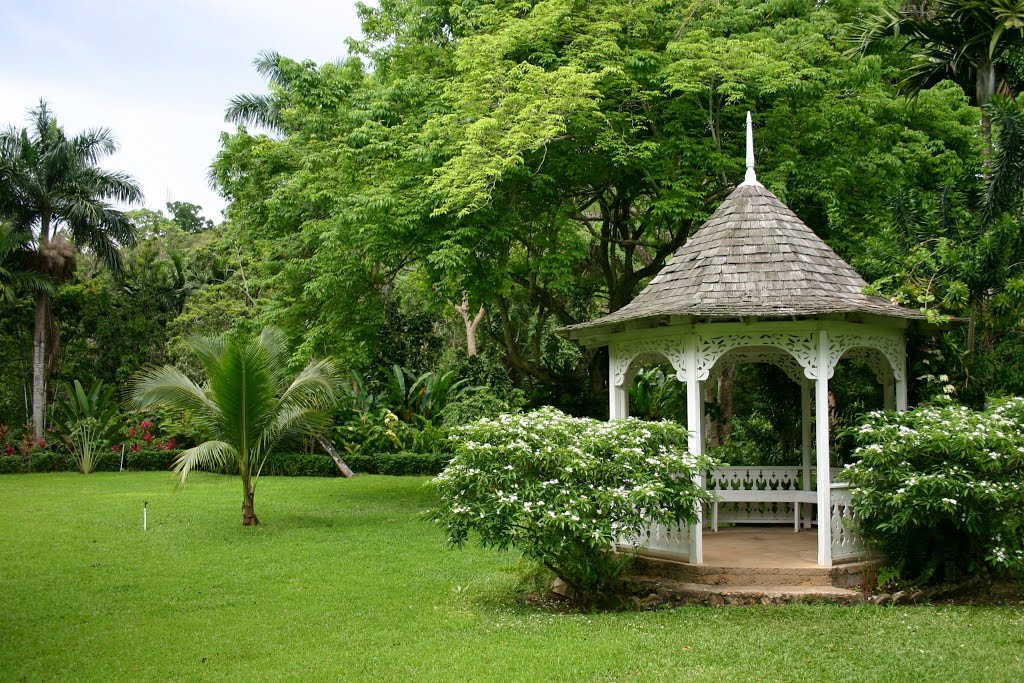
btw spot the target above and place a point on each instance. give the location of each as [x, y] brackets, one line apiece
[751, 177]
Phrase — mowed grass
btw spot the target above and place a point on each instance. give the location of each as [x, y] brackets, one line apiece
[346, 581]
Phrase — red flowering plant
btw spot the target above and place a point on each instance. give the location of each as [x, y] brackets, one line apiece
[145, 435]
[7, 448]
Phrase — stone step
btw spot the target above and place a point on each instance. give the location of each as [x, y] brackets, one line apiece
[669, 592]
[845, 576]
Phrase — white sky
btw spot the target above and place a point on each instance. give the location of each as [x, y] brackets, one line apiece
[158, 73]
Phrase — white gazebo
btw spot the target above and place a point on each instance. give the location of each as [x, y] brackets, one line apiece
[756, 285]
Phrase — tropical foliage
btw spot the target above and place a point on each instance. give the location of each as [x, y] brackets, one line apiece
[432, 207]
[52, 188]
[87, 421]
[248, 406]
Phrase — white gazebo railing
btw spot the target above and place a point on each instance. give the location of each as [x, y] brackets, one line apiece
[847, 543]
[761, 495]
[669, 542]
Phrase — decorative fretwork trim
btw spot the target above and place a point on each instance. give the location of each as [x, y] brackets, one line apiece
[624, 353]
[802, 346]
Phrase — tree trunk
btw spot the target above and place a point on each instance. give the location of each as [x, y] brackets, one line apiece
[726, 383]
[986, 145]
[248, 513]
[39, 364]
[471, 325]
[719, 426]
[333, 452]
[972, 326]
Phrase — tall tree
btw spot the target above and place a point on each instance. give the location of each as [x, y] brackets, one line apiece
[51, 186]
[547, 158]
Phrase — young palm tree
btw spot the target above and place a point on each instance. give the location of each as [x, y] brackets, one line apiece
[248, 405]
[52, 188]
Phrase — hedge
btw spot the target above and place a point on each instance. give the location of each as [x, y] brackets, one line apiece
[398, 464]
[278, 464]
[51, 461]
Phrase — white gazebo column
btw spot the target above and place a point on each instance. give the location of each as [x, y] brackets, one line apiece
[618, 393]
[900, 375]
[901, 393]
[822, 453]
[695, 440]
[805, 446]
[888, 392]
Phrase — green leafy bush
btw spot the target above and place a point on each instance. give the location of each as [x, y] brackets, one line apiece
[147, 461]
[474, 406]
[50, 461]
[11, 464]
[300, 465]
[372, 432]
[940, 489]
[563, 490]
[361, 463]
[411, 464]
[398, 464]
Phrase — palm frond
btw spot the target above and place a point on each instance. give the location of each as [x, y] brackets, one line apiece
[209, 454]
[243, 385]
[94, 145]
[208, 350]
[268, 64]
[253, 110]
[170, 387]
[115, 186]
[314, 387]
[293, 424]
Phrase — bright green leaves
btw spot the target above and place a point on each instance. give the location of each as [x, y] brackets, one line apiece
[514, 94]
[739, 68]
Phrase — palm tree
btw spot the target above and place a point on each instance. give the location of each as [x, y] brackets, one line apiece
[16, 272]
[52, 188]
[963, 41]
[262, 110]
[248, 405]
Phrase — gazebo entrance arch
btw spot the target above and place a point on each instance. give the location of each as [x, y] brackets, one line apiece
[755, 284]
[801, 349]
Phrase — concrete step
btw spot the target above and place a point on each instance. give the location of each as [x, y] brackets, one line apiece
[845, 576]
[666, 591]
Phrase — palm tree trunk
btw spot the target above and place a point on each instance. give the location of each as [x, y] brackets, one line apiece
[985, 88]
[972, 326]
[986, 145]
[39, 364]
[249, 517]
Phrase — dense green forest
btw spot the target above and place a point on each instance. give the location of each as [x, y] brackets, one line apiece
[431, 208]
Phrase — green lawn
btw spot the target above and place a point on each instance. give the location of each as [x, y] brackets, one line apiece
[345, 581]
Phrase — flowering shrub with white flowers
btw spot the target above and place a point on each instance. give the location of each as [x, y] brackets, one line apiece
[563, 490]
[940, 489]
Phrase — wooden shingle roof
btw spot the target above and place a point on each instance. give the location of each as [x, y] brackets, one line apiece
[753, 258]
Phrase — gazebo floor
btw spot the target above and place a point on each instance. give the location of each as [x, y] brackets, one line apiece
[748, 564]
[761, 546]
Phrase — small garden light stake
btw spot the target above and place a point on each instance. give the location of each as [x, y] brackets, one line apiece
[145, 510]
